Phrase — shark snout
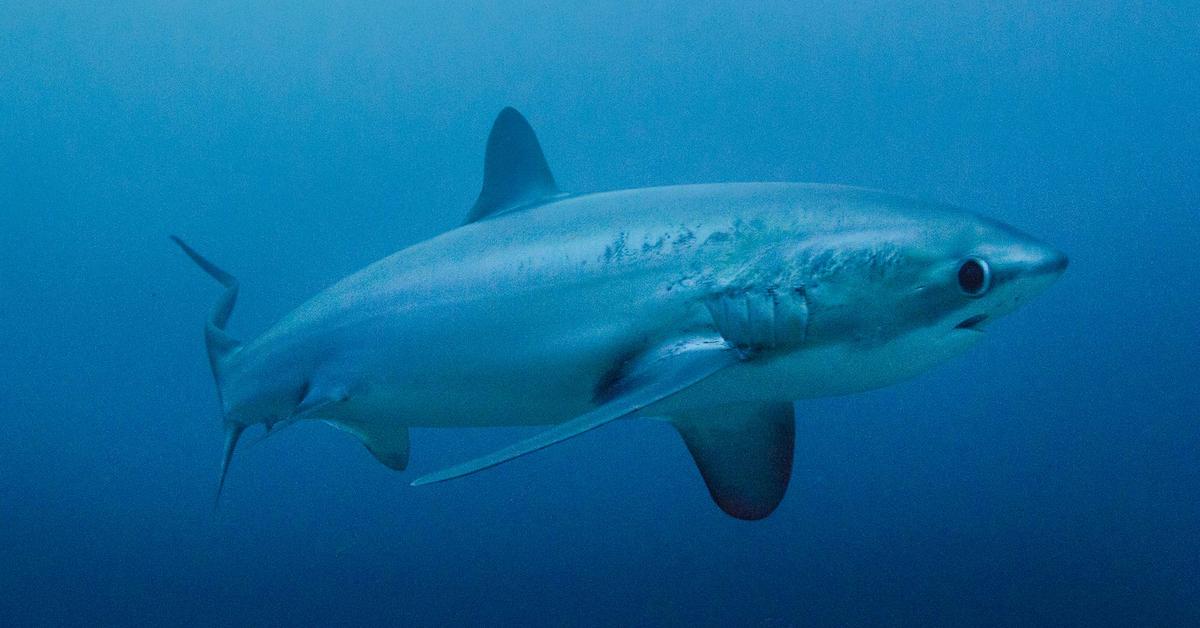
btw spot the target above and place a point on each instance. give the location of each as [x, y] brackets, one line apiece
[1032, 258]
[1051, 261]
[1037, 267]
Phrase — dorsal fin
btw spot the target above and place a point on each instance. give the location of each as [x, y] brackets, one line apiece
[515, 173]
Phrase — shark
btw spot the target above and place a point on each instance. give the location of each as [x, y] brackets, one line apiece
[714, 307]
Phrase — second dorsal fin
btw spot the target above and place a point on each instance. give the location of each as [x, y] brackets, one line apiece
[515, 173]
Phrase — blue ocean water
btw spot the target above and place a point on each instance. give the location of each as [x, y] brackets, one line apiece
[1051, 476]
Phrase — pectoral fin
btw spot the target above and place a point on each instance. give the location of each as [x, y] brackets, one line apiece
[657, 374]
[388, 443]
[744, 454]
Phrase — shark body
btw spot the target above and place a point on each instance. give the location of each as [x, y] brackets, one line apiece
[710, 306]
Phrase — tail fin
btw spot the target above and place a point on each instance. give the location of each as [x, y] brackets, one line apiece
[220, 344]
[233, 431]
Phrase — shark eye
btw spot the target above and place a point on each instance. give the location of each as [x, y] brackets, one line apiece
[974, 277]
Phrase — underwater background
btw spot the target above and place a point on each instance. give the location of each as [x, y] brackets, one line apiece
[1051, 476]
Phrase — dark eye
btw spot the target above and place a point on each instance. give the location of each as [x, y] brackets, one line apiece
[974, 277]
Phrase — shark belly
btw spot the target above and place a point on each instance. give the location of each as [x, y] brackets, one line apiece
[823, 371]
[529, 358]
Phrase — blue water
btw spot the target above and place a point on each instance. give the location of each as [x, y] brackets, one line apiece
[1051, 476]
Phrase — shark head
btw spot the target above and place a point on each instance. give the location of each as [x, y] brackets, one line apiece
[958, 274]
[905, 286]
[998, 271]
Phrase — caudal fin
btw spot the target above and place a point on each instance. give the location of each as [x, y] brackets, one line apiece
[220, 345]
[233, 431]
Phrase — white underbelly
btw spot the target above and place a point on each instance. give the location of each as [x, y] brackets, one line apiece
[537, 391]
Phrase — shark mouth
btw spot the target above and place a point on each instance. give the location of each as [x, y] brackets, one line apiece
[972, 323]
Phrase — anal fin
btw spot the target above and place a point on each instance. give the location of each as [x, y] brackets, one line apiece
[744, 453]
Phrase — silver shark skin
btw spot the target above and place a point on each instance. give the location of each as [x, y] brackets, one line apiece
[533, 314]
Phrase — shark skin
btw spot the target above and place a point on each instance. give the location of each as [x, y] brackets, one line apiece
[711, 306]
